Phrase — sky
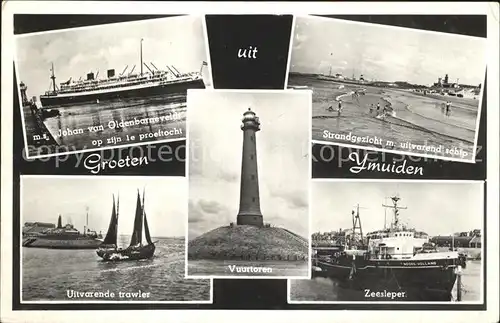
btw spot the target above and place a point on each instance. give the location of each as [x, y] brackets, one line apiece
[177, 41]
[385, 53]
[214, 120]
[435, 208]
[43, 198]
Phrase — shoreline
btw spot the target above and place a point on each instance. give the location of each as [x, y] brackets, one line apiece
[385, 97]
[330, 79]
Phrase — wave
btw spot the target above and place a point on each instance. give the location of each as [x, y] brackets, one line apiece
[417, 127]
[412, 125]
[440, 121]
[397, 121]
[128, 268]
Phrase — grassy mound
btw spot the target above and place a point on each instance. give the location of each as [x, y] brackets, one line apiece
[248, 243]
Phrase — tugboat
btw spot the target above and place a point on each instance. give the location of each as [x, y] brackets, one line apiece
[109, 250]
[394, 259]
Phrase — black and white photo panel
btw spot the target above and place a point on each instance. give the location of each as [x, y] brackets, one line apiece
[108, 86]
[249, 167]
[388, 88]
[395, 241]
[88, 239]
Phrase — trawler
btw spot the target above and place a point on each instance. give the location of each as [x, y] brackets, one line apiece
[109, 250]
[397, 258]
[152, 82]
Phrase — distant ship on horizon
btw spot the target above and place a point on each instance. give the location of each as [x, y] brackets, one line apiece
[150, 83]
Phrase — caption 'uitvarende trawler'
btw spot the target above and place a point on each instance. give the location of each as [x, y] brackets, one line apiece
[397, 258]
[125, 85]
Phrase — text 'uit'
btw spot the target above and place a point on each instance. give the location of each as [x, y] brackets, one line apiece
[251, 52]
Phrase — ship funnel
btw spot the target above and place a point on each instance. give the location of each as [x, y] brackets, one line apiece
[111, 73]
[59, 222]
[90, 76]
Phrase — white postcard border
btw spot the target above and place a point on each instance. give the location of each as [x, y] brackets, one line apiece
[490, 9]
[51, 302]
[403, 152]
[207, 49]
[408, 303]
[68, 149]
[289, 61]
[246, 91]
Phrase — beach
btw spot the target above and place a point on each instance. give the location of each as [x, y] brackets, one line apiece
[417, 124]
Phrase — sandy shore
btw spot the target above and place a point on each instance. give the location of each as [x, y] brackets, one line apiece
[418, 121]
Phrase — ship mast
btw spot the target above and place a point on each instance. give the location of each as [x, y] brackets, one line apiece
[396, 209]
[86, 227]
[143, 211]
[385, 215]
[356, 225]
[141, 56]
[53, 77]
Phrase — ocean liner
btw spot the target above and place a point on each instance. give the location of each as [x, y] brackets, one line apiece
[397, 258]
[47, 235]
[124, 85]
[109, 250]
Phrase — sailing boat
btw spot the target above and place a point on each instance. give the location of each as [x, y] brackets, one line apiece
[109, 250]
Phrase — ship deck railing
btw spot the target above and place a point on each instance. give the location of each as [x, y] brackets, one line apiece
[158, 75]
[121, 85]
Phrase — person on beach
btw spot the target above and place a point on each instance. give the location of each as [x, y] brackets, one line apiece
[340, 107]
[378, 106]
[448, 108]
[371, 108]
[385, 109]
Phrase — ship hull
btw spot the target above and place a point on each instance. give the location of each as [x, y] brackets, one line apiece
[31, 242]
[166, 89]
[425, 280]
[131, 253]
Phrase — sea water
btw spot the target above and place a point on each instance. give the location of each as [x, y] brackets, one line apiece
[95, 125]
[50, 274]
[326, 289]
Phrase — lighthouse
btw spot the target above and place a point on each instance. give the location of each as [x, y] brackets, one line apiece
[24, 97]
[249, 211]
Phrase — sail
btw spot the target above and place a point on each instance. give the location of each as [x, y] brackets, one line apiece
[137, 233]
[111, 236]
[146, 226]
[146, 229]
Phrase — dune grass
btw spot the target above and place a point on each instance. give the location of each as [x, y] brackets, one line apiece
[250, 243]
